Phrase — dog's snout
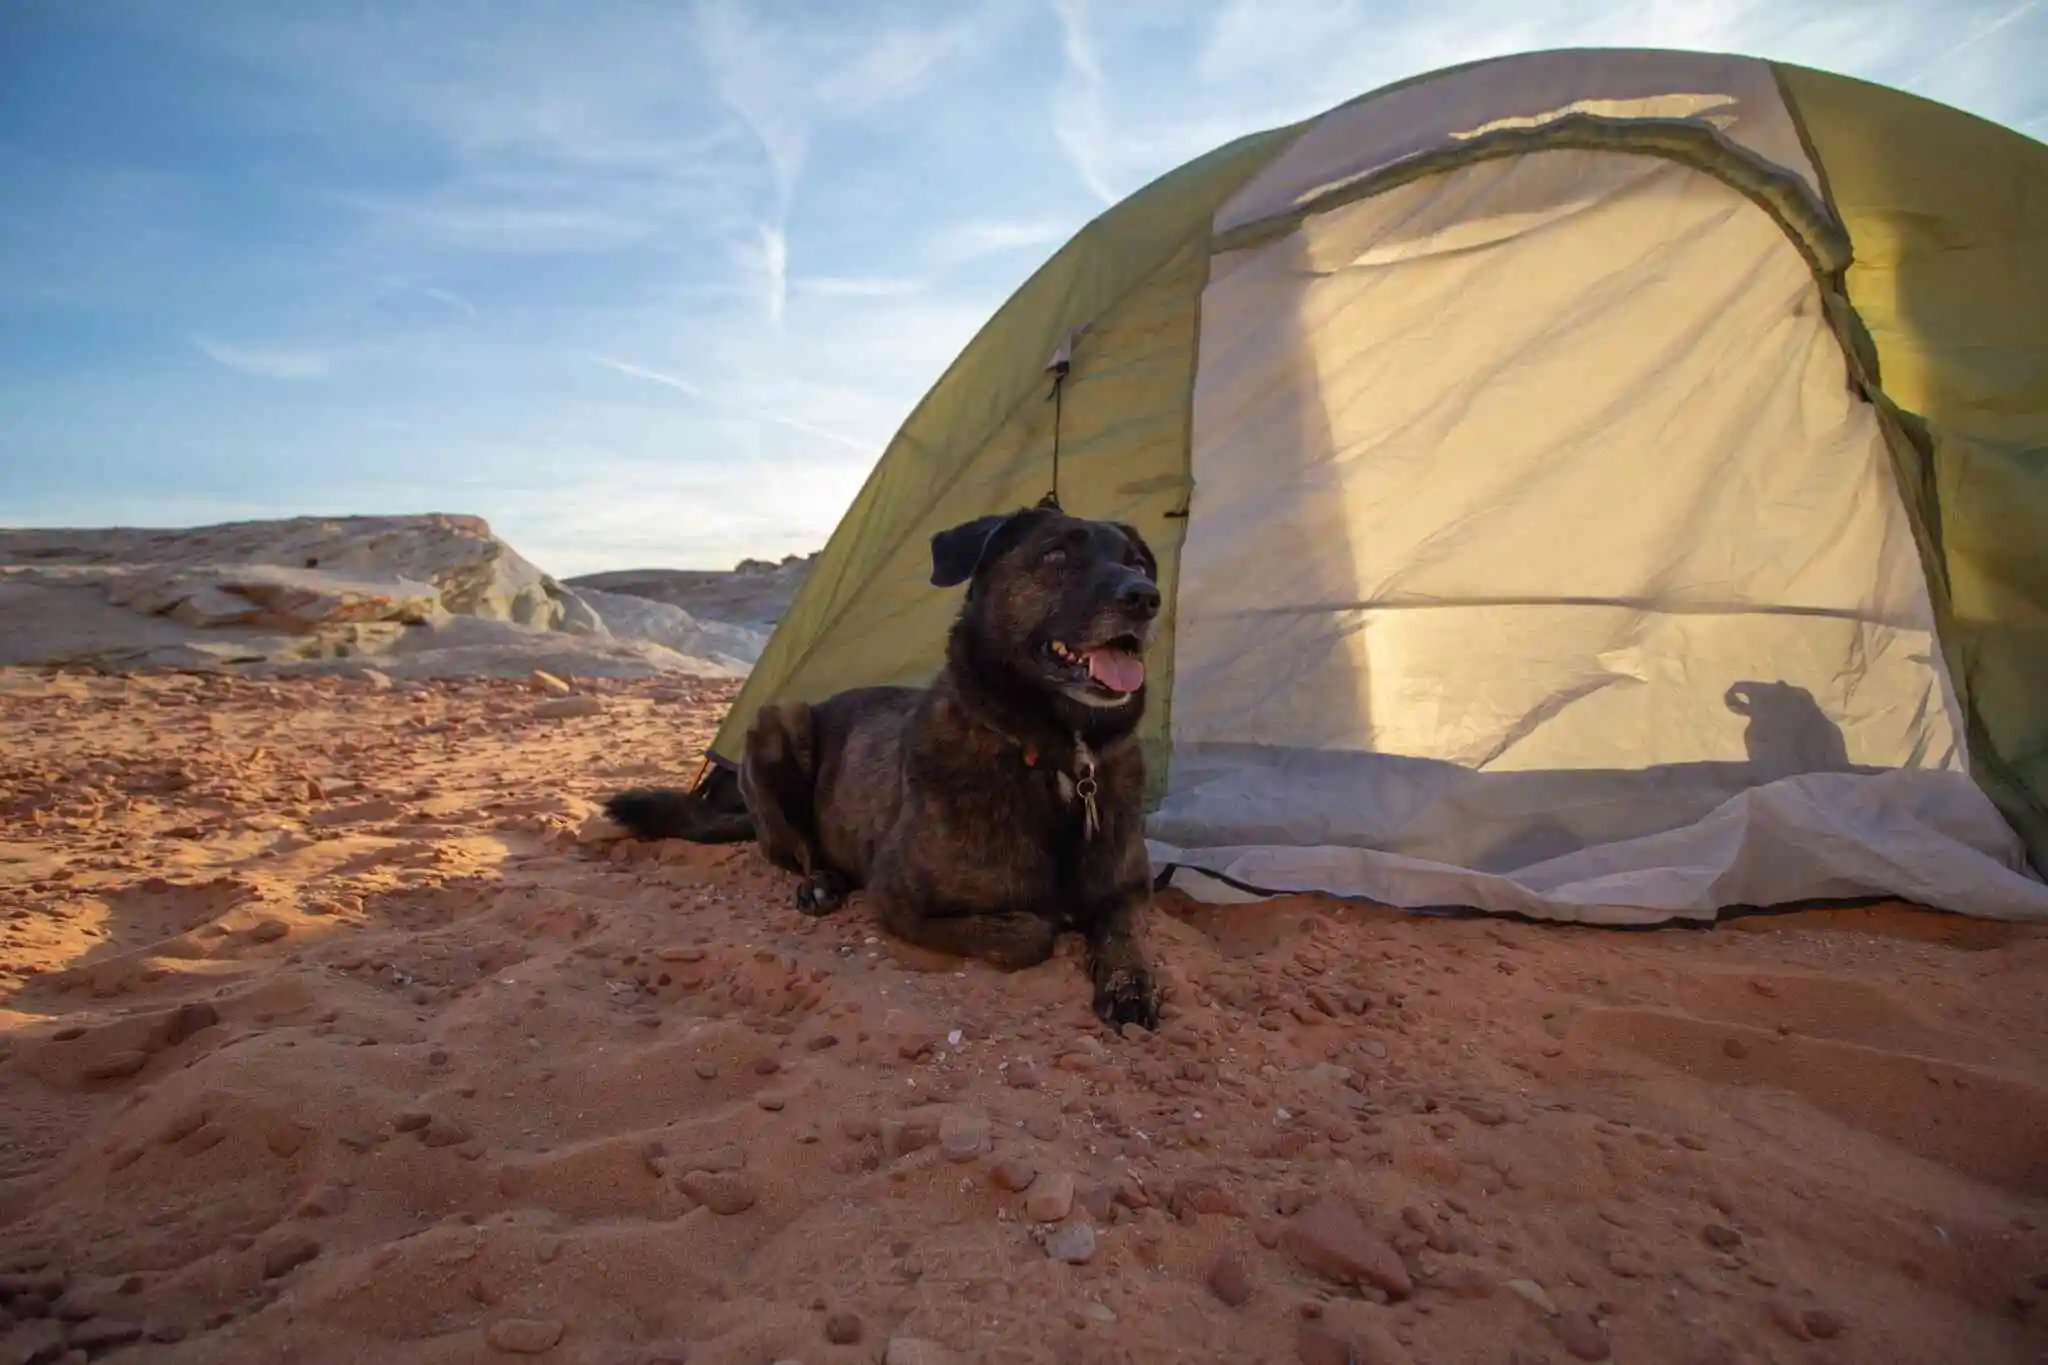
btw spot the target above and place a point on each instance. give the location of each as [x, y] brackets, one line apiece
[1140, 597]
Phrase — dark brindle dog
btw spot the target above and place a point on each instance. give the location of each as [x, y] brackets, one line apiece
[1001, 806]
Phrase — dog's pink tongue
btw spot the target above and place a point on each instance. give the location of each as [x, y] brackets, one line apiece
[1116, 669]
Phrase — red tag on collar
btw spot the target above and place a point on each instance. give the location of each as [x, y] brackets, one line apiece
[1030, 757]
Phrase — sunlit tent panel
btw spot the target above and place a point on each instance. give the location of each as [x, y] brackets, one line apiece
[1597, 485]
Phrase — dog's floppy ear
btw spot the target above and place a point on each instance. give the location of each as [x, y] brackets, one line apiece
[957, 553]
[1145, 554]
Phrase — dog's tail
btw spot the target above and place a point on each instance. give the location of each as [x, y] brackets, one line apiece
[709, 813]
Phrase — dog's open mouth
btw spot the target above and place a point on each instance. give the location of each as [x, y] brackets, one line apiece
[1113, 667]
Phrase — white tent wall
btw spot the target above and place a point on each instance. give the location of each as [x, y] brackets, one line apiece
[1542, 560]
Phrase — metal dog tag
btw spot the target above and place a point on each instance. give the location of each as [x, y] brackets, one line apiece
[1085, 787]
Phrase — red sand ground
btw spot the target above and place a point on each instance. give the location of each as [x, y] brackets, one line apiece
[324, 1040]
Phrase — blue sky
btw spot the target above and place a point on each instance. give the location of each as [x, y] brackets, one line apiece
[651, 283]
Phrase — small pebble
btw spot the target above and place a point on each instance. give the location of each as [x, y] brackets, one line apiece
[1073, 1243]
[1050, 1198]
[1329, 1239]
[723, 1193]
[1822, 1323]
[1579, 1334]
[288, 1253]
[524, 1336]
[568, 708]
[444, 1133]
[963, 1137]
[1465, 1282]
[914, 1351]
[901, 1137]
[325, 1202]
[1789, 1319]
[1229, 1280]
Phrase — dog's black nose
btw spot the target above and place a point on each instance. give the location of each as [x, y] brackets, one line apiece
[1139, 597]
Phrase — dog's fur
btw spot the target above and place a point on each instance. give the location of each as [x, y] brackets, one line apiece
[956, 806]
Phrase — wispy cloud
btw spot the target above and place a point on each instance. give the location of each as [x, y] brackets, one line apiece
[512, 228]
[784, 82]
[1248, 38]
[266, 362]
[720, 397]
[1080, 119]
[774, 266]
[956, 243]
[1977, 35]
[446, 297]
[754, 74]
[856, 287]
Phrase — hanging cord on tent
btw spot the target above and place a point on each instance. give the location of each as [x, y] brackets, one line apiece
[1059, 388]
[1058, 367]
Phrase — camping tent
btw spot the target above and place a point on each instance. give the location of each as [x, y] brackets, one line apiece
[1600, 485]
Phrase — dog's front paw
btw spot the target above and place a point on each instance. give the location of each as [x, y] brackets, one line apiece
[1127, 995]
[821, 893]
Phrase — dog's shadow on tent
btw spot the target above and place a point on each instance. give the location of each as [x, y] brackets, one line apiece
[1788, 734]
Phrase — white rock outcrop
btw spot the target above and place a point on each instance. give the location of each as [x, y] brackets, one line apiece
[755, 593]
[417, 596]
[640, 618]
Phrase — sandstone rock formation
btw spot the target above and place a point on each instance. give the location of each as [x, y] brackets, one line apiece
[418, 596]
[630, 617]
[755, 594]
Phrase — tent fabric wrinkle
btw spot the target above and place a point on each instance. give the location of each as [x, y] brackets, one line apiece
[1815, 837]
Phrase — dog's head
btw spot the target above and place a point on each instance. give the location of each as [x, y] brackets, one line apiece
[1059, 603]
